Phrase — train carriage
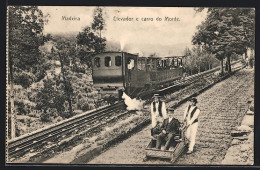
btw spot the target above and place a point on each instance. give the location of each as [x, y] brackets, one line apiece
[111, 72]
[114, 72]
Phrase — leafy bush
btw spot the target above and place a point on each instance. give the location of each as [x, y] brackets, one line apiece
[85, 107]
[251, 62]
[80, 70]
[33, 115]
[59, 118]
[45, 117]
[91, 106]
[79, 76]
[197, 60]
[40, 75]
[29, 121]
[22, 79]
[49, 115]
[21, 110]
[49, 98]
[17, 131]
[22, 120]
[66, 114]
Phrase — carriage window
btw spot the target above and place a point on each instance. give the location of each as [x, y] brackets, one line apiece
[97, 62]
[158, 63]
[108, 62]
[118, 60]
[180, 62]
[175, 62]
[141, 64]
[164, 63]
[172, 63]
[131, 64]
[149, 64]
[153, 64]
[168, 63]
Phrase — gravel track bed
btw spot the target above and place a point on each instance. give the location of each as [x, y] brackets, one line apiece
[222, 108]
[70, 140]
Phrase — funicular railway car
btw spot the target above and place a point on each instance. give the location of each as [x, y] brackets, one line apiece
[110, 72]
[115, 72]
[167, 70]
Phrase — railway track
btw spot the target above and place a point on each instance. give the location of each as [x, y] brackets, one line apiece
[23, 144]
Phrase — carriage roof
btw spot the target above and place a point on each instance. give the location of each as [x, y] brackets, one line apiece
[116, 52]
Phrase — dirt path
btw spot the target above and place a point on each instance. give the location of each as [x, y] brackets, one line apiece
[222, 108]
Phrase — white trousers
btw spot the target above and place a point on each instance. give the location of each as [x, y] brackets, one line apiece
[191, 135]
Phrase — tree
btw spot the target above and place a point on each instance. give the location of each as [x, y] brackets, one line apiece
[25, 36]
[197, 60]
[58, 90]
[187, 52]
[65, 51]
[25, 25]
[49, 97]
[226, 31]
[89, 40]
[85, 56]
[98, 21]
[247, 19]
[67, 85]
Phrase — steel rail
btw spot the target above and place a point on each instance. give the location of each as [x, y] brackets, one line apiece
[27, 141]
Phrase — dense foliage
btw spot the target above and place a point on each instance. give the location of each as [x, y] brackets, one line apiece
[198, 60]
[98, 21]
[89, 40]
[25, 38]
[47, 77]
[226, 31]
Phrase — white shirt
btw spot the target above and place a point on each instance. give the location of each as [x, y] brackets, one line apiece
[155, 115]
[195, 115]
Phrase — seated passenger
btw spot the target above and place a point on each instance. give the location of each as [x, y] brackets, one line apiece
[158, 114]
[169, 129]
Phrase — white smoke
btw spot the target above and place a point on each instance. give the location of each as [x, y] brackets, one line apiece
[132, 104]
[122, 44]
[123, 40]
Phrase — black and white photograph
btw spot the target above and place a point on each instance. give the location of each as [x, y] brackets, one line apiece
[127, 85]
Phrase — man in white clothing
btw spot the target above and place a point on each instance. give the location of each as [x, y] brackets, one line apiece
[191, 115]
[158, 114]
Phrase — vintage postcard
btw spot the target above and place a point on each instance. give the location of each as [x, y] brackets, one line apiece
[130, 85]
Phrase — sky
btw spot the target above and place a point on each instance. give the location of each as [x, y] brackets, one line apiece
[145, 36]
